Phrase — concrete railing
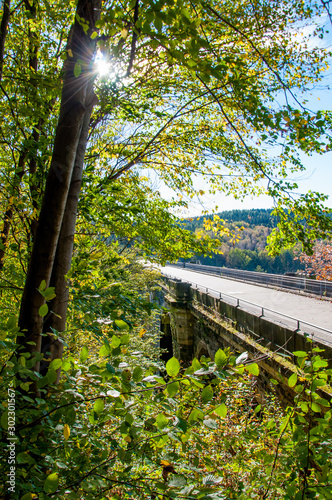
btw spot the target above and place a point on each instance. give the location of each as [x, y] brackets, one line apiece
[307, 285]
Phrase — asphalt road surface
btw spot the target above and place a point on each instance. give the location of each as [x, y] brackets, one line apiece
[314, 314]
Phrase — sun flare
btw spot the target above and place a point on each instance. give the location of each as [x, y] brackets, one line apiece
[103, 67]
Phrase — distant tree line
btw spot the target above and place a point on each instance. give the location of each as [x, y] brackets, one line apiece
[248, 252]
[254, 217]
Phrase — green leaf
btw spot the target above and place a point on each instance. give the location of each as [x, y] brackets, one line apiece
[94, 35]
[172, 389]
[115, 341]
[99, 406]
[172, 367]
[51, 483]
[137, 374]
[42, 286]
[66, 365]
[71, 415]
[220, 358]
[27, 496]
[11, 323]
[161, 421]
[292, 380]
[110, 368]
[43, 310]
[125, 339]
[122, 325]
[257, 409]
[158, 24]
[315, 407]
[182, 424]
[84, 354]
[24, 458]
[197, 383]
[77, 70]
[320, 363]
[56, 363]
[253, 369]
[304, 406]
[300, 354]
[318, 349]
[323, 402]
[49, 378]
[49, 293]
[195, 415]
[104, 350]
[207, 394]
[221, 410]
[4, 420]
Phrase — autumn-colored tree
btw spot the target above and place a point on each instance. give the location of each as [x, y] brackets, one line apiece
[319, 264]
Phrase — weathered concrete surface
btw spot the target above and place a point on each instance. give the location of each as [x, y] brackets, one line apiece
[182, 321]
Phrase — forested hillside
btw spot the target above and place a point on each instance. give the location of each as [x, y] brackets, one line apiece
[248, 250]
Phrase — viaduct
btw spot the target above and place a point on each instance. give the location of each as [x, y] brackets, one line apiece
[198, 323]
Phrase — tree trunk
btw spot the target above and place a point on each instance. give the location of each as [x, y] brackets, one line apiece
[55, 322]
[7, 220]
[3, 32]
[77, 75]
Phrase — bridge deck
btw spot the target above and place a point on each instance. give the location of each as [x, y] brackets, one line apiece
[277, 304]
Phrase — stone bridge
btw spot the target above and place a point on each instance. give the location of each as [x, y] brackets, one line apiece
[199, 324]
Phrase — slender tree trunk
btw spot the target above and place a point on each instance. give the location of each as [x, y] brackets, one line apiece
[18, 174]
[33, 186]
[77, 75]
[56, 320]
[16, 182]
[3, 32]
[7, 220]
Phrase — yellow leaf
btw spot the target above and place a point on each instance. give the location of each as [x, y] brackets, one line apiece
[142, 332]
[70, 53]
[66, 431]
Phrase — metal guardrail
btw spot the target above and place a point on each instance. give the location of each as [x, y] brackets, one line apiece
[321, 288]
[300, 324]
